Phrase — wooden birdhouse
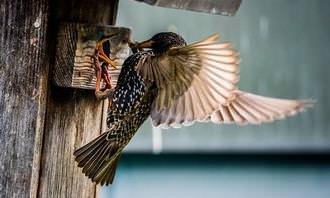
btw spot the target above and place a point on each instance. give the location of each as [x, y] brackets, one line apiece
[76, 45]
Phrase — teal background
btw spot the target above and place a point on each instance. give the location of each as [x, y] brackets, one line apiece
[285, 51]
[284, 46]
[215, 176]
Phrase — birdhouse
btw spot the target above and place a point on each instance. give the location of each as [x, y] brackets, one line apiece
[75, 48]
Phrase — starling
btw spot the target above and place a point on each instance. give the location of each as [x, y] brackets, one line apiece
[176, 84]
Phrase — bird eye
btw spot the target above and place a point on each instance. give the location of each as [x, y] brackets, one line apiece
[125, 40]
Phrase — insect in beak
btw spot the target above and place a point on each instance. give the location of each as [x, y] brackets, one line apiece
[144, 44]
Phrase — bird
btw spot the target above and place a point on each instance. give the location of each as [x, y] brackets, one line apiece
[102, 61]
[176, 84]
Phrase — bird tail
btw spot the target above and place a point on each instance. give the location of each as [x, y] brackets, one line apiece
[98, 159]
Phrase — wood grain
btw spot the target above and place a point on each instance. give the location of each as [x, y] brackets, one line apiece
[73, 116]
[76, 44]
[24, 63]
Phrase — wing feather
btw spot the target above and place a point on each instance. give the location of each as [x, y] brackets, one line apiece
[246, 108]
[201, 70]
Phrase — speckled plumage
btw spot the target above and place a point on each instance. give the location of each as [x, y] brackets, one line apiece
[132, 100]
[130, 107]
[177, 84]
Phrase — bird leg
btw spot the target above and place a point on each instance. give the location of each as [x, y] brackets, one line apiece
[101, 94]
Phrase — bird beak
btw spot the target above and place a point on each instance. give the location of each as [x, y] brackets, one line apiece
[102, 55]
[107, 59]
[145, 44]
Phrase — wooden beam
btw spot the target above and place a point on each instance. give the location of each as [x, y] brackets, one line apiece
[73, 116]
[24, 66]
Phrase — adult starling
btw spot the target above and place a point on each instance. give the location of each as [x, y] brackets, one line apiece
[177, 84]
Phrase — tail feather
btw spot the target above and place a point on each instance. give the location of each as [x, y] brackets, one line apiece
[98, 159]
[107, 173]
[81, 152]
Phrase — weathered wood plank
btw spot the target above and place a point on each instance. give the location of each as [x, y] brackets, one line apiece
[222, 7]
[76, 44]
[23, 89]
[73, 116]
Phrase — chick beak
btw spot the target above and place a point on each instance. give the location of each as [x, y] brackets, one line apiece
[103, 56]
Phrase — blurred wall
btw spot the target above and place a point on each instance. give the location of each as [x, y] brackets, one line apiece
[285, 51]
[215, 176]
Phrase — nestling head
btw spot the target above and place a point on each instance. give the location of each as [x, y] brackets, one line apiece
[162, 42]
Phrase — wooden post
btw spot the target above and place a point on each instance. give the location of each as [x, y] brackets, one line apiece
[73, 116]
[41, 125]
[24, 66]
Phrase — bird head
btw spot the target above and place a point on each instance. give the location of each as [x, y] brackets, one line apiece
[162, 42]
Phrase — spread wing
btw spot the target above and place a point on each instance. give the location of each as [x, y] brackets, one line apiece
[202, 70]
[245, 108]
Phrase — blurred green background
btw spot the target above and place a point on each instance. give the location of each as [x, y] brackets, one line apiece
[285, 51]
